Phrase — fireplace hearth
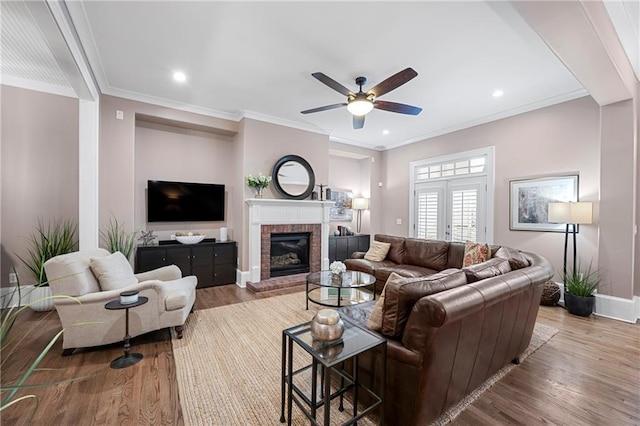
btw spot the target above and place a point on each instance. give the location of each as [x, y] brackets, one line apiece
[289, 253]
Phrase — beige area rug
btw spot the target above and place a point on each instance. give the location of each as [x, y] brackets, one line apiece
[228, 364]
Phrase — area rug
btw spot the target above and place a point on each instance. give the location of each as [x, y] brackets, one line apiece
[228, 364]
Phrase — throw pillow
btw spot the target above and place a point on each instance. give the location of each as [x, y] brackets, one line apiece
[475, 253]
[488, 269]
[375, 319]
[378, 251]
[515, 258]
[113, 272]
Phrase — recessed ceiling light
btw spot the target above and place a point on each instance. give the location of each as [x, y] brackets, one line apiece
[498, 93]
[179, 76]
[385, 132]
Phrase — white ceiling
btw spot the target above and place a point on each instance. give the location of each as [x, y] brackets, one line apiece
[256, 58]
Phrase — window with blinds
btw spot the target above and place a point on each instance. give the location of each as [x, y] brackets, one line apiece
[427, 215]
[464, 207]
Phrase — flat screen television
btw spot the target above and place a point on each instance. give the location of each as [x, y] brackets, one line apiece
[184, 202]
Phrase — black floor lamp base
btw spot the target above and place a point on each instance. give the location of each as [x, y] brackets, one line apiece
[126, 361]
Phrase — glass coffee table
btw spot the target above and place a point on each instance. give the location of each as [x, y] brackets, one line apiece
[349, 288]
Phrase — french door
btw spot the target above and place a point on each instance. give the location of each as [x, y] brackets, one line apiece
[451, 210]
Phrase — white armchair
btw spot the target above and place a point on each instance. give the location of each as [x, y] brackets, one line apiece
[84, 318]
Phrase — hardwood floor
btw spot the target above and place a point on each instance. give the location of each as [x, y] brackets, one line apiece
[588, 374]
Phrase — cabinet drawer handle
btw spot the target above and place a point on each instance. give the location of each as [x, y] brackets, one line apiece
[164, 259]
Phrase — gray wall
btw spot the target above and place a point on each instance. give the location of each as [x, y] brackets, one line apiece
[39, 148]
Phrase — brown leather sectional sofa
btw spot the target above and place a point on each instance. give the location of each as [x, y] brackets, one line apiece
[448, 328]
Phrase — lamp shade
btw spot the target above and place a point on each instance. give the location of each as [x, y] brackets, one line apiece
[579, 212]
[359, 203]
[360, 107]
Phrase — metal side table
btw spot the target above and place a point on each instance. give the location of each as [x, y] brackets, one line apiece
[329, 357]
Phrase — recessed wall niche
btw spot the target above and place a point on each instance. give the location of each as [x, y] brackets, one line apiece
[175, 151]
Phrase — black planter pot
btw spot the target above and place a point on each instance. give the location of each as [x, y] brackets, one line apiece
[579, 305]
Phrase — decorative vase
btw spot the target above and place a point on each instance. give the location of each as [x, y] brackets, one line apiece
[579, 305]
[40, 299]
[326, 325]
[259, 192]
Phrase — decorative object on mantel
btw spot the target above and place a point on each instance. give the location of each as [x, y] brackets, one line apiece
[258, 183]
[321, 186]
[293, 177]
[147, 237]
[189, 238]
[326, 325]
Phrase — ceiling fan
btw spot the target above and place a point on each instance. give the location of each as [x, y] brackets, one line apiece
[361, 103]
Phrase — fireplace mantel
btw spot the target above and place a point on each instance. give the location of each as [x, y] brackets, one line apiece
[285, 212]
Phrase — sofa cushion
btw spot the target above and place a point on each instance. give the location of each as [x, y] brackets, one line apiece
[404, 270]
[475, 253]
[375, 319]
[364, 265]
[378, 251]
[515, 258]
[426, 253]
[113, 272]
[402, 294]
[488, 269]
[396, 251]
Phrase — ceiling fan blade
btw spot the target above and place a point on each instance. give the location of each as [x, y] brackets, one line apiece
[358, 121]
[332, 83]
[393, 82]
[323, 108]
[396, 107]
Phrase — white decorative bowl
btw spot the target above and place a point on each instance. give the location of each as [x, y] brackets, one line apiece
[190, 239]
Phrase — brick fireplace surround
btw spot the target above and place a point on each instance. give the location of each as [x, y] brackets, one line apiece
[268, 216]
[315, 245]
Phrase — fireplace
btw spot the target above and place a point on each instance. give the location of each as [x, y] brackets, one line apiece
[289, 253]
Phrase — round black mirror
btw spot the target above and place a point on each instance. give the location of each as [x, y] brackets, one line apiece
[293, 177]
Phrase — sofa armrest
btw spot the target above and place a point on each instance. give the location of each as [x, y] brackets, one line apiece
[357, 255]
[166, 273]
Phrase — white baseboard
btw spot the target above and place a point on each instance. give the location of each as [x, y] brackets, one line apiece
[617, 308]
[242, 277]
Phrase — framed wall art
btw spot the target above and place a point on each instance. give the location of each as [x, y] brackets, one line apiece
[341, 210]
[529, 200]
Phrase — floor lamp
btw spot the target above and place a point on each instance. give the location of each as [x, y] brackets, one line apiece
[573, 213]
[359, 204]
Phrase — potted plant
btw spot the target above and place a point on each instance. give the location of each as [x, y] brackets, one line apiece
[47, 242]
[117, 238]
[258, 183]
[580, 288]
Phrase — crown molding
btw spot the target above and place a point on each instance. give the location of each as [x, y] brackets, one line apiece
[282, 122]
[140, 97]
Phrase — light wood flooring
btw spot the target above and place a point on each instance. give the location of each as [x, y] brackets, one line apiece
[588, 374]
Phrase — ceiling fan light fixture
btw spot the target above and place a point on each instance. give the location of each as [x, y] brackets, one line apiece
[360, 107]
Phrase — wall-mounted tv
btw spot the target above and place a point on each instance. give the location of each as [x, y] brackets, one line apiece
[184, 202]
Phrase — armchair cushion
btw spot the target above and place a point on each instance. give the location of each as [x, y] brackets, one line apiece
[70, 274]
[113, 272]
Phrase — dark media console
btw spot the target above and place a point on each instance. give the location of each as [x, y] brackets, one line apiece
[214, 263]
